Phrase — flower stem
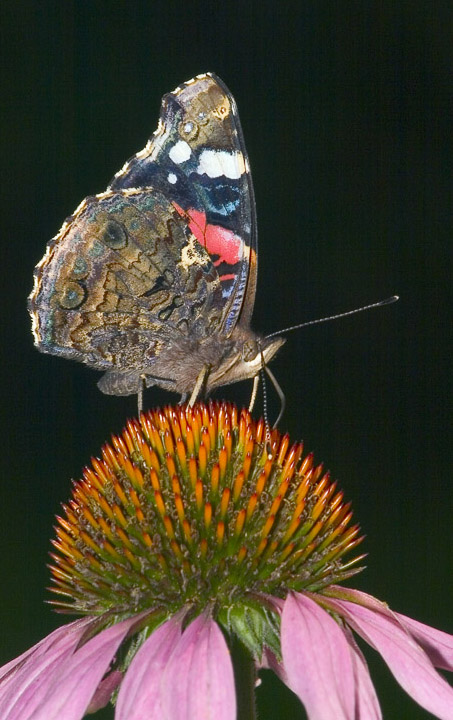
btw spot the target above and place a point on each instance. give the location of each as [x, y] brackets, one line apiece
[244, 678]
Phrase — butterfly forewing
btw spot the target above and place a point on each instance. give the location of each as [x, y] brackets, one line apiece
[197, 157]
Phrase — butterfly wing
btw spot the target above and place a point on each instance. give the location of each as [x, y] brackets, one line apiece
[197, 158]
[124, 279]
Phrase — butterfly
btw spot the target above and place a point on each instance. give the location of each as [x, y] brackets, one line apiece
[153, 281]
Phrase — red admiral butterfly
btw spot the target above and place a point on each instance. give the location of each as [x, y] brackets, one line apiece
[153, 281]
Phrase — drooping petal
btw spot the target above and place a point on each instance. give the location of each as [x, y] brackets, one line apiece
[71, 691]
[17, 675]
[407, 661]
[198, 681]
[42, 646]
[438, 645]
[61, 682]
[104, 691]
[140, 692]
[270, 662]
[367, 703]
[359, 597]
[317, 660]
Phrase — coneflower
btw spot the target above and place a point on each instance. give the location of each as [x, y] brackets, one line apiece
[198, 549]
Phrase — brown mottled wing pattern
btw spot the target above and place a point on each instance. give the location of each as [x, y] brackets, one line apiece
[124, 278]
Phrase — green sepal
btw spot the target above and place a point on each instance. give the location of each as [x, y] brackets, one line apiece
[256, 626]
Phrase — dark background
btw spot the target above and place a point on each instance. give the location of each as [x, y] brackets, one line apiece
[347, 113]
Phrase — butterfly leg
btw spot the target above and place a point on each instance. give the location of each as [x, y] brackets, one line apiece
[280, 394]
[256, 382]
[183, 398]
[141, 387]
[199, 385]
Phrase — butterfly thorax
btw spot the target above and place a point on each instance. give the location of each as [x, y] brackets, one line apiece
[177, 368]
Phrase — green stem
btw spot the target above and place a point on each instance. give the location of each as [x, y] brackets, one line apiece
[244, 678]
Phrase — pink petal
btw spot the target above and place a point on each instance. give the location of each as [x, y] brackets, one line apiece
[360, 598]
[61, 681]
[367, 703]
[41, 647]
[437, 644]
[270, 662]
[198, 681]
[406, 660]
[139, 695]
[318, 660]
[104, 691]
[19, 673]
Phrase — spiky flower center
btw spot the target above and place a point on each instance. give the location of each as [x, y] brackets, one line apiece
[195, 507]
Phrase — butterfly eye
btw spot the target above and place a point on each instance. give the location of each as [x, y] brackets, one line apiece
[188, 129]
[72, 296]
[114, 235]
[249, 351]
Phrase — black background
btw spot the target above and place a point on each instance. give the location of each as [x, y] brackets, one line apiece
[346, 109]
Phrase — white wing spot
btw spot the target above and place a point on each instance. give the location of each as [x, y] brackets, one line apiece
[172, 178]
[180, 152]
[218, 163]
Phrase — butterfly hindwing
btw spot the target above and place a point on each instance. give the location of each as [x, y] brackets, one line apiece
[197, 157]
[124, 278]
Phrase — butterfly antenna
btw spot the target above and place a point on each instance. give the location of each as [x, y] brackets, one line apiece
[265, 415]
[280, 394]
[387, 301]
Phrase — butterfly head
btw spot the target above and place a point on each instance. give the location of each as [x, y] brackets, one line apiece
[245, 361]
